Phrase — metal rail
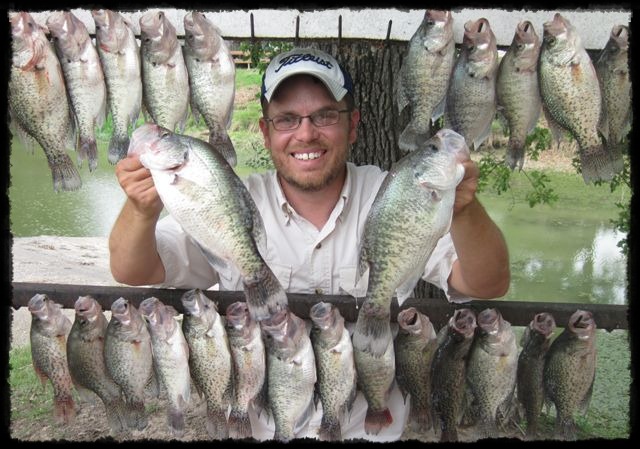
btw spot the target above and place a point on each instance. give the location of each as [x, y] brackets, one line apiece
[518, 313]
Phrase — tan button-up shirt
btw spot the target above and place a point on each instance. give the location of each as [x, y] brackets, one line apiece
[303, 258]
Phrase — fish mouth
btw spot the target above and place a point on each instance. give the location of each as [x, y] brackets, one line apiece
[463, 322]
[543, 323]
[191, 303]
[321, 315]
[489, 321]
[148, 309]
[85, 307]
[237, 315]
[120, 311]
[582, 323]
[38, 305]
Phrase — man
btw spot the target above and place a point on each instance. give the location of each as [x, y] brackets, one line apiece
[314, 206]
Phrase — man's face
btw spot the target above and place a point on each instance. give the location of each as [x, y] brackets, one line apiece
[308, 158]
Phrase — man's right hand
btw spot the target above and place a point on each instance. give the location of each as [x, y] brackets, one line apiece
[137, 183]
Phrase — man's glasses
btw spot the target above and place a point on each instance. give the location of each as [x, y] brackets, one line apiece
[288, 122]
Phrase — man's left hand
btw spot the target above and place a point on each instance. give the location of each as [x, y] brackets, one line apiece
[466, 190]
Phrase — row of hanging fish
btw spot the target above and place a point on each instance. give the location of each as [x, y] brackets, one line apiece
[61, 91]
[590, 100]
[470, 373]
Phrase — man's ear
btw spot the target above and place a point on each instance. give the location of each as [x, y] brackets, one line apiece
[264, 128]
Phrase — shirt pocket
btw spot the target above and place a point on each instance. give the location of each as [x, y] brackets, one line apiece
[347, 282]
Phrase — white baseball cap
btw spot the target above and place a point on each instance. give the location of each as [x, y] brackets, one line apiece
[308, 61]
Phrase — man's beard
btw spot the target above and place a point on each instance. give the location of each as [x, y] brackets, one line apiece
[314, 184]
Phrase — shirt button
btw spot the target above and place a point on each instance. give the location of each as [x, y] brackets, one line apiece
[318, 291]
[319, 245]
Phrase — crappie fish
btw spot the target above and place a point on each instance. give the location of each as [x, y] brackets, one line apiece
[84, 80]
[570, 370]
[335, 366]
[37, 97]
[120, 59]
[212, 79]
[424, 76]
[170, 359]
[85, 354]
[127, 356]
[249, 368]
[415, 345]
[612, 68]
[448, 372]
[291, 373]
[411, 212]
[571, 96]
[165, 82]
[471, 96]
[517, 90]
[491, 370]
[48, 336]
[536, 340]
[209, 358]
[203, 193]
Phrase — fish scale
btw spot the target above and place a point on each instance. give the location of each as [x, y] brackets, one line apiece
[37, 98]
[411, 212]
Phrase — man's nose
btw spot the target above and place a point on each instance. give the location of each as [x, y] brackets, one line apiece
[307, 131]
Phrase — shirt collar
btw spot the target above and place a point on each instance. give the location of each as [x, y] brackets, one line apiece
[286, 208]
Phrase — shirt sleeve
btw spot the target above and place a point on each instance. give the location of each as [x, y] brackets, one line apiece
[439, 266]
[184, 264]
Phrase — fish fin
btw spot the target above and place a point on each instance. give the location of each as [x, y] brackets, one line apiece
[216, 424]
[412, 137]
[88, 149]
[583, 405]
[514, 156]
[175, 421]
[330, 429]
[596, 163]
[239, 424]
[64, 409]
[118, 148]
[405, 290]
[116, 414]
[372, 333]
[438, 111]
[375, 421]
[27, 140]
[402, 100]
[221, 142]
[305, 417]
[218, 263]
[557, 131]
[484, 135]
[65, 175]
[264, 294]
[195, 113]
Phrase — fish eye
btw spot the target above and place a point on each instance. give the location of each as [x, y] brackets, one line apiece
[433, 148]
[551, 41]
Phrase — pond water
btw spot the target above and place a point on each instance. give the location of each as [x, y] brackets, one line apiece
[565, 253]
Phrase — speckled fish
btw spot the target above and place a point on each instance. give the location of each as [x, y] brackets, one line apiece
[48, 337]
[120, 59]
[570, 371]
[471, 97]
[535, 342]
[448, 372]
[335, 366]
[85, 353]
[206, 197]
[571, 96]
[491, 370]
[249, 368]
[209, 358]
[291, 373]
[84, 80]
[165, 82]
[415, 345]
[212, 78]
[37, 96]
[424, 76]
[517, 90]
[170, 359]
[127, 356]
[411, 212]
[612, 67]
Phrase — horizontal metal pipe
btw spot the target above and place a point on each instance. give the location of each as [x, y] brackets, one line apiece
[518, 313]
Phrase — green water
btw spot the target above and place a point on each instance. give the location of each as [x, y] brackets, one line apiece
[564, 253]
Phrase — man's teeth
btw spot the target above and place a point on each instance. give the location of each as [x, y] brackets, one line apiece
[307, 156]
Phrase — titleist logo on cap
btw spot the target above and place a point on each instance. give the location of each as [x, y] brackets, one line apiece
[297, 57]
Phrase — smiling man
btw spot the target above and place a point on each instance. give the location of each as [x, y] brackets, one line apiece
[314, 206]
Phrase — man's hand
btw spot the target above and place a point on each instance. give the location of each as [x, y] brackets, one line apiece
[137, 183]
[466, 190]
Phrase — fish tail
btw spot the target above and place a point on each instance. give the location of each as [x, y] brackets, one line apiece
[239, 424]
[118, 148]
[419, 417]
[65, 175]
[412, 138]
[599, 163]
[216, 423]
[88, 150]
[175, 421]
[515, 154]
[449, 434]
[64, 409]
[372, 332]
[376, 420]
[116, 414]
[264, 294]
[330, 429]
[136, 415]
[221, 142]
